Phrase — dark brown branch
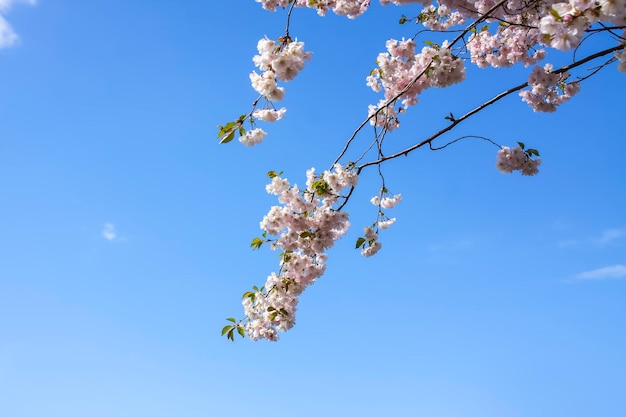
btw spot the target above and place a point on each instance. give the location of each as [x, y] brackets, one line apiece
[414, 80]
[486, 104]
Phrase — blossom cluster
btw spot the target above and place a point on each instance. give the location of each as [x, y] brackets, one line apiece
[403, 74]
[369, 243]
[565, 24]
[548, 89]
[516, 159]
[440, 17]
[306, 224]
[349, 8]
[280, 61]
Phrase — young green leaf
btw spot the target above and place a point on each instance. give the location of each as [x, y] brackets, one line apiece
[228, 137]
[256, 243]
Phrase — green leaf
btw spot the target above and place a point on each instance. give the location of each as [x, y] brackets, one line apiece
[359, 242]
[533, 152]
[320, 186]
[231, 320]
[403, 20]
[231, 335]
[521, 145]
[241, 332]
[556, 15]
[224, 130]
[271, 174]
[248, 294]
[270, 308]
[256, 243]
[429, 43]
[228, 137]
[225, 329]
[273, 315]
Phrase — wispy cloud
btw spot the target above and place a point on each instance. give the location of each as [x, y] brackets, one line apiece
[6, 4]
[609, 236]
[7, 36]
[109, 232]
[608, 272]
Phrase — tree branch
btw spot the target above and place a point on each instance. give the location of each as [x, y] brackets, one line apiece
[486, 104]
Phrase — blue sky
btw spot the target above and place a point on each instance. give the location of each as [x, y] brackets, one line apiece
[125, 230]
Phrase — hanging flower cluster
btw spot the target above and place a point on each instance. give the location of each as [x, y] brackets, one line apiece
[517, 159]
[306, 224]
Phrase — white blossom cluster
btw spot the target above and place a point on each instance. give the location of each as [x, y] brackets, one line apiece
[253, 137]
[565, 24]
[269, 115]
[306, 225]
[398, 75]
[508, 46]
[349, 8]
[370, 244]
[281, 61]
[278, 61]
[440, 17]
[509, 160]
[548, 89]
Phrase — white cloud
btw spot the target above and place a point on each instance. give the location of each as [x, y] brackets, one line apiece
[6, 4]
[608, 272]
[609, 236]
[7, 36]
[108, 232]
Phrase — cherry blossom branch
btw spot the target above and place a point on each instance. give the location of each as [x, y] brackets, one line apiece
[393, 100]
[486, 104]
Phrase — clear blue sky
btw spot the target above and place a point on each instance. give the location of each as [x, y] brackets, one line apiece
[124, 230]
